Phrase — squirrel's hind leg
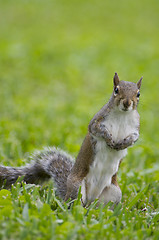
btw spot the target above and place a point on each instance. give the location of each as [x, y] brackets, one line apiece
[112, 193]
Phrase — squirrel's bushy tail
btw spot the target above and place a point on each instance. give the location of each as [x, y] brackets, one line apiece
[48, 163]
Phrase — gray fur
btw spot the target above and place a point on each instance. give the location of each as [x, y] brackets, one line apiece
[50, 163]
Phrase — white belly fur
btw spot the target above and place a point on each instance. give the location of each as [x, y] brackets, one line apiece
[106, 161]
[104, 166]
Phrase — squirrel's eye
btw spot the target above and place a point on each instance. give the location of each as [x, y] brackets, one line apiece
[138, 94]
[116, 90]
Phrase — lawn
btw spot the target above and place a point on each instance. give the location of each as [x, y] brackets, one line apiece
[57, 61]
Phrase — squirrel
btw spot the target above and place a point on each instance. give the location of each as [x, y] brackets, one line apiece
[111, 131]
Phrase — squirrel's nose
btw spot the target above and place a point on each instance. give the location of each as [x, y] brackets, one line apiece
[126, 103]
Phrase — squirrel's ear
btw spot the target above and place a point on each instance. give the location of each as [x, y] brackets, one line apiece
[116, 80]
[139, 83]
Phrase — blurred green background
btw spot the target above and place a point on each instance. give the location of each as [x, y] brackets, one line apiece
[57, 62]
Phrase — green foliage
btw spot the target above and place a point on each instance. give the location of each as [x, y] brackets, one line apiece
[57, 60]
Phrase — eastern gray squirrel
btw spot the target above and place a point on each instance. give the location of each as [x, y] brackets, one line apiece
[111, 131]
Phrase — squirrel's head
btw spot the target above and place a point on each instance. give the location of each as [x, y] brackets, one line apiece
[126, 94]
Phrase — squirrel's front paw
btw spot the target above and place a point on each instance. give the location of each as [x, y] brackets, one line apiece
[107, 134]
[131, 139]
[110, 143]
[126, 142]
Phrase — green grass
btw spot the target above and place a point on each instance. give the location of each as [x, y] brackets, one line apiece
[57, 60]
